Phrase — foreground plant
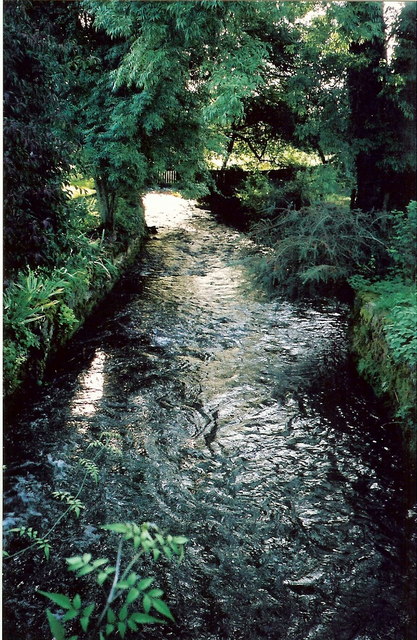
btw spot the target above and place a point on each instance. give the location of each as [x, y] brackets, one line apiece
[136, 599]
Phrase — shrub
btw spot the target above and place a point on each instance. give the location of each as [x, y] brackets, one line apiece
[262, 198]
[315, 249]
[403, 242]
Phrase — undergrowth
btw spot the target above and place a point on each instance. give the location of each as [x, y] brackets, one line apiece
[314, 250]
[42, 300]
[126, 598]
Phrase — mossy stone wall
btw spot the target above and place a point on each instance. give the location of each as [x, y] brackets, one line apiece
[394, 381]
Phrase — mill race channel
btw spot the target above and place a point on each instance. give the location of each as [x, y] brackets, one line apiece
[241, 425]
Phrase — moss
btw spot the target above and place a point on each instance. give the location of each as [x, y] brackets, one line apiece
[391, 377]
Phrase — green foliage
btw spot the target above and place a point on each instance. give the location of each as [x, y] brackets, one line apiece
[257, 195]
[39, 299]
[30, 298]
[73, 503]
[123, 584]
[91, 468]
[29, 301]
[108, 441]
[315, 249]
[32, 534]
[37, 149]
[385, 342]
[396, 301]
[261, 198]
[403, 242]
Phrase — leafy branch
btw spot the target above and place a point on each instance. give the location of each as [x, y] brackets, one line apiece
[127, 585]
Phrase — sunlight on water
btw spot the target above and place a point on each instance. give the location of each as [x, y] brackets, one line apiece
[91, 385]
[166, 210]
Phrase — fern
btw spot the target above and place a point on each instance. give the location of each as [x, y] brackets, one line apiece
[73, 503]
[32, 534]
[107, 441]
[91, 468]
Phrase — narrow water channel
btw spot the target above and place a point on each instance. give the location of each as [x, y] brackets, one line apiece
[242, 426]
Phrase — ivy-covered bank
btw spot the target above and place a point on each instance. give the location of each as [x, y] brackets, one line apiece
[43, 308]
[384, 341]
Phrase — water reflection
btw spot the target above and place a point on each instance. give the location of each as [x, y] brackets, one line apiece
[90, 387]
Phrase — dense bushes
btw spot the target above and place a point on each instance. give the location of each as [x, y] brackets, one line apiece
[261, 197]
[315, 249]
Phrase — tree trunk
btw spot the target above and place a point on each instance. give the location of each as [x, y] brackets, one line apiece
[403, 184]
[229, 150]
[106, 203]
[368, 110]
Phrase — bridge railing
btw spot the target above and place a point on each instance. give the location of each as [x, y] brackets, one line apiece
[167, 178]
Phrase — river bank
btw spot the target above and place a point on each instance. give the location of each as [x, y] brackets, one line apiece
[54, 305]
[391, 375]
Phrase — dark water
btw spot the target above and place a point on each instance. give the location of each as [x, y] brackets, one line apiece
[241, 426]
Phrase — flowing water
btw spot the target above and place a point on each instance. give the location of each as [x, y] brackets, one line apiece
[242, 426]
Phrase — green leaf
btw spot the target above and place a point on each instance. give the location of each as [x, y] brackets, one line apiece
[132, 595]
[77, 601]
[123, 584]
[55, 626]
[145, 583]
[58, 598]
[156, 554]
[155, 593]
[147, 603]
[102, 577]
[163, 608]
[117, 527]
[86, 557]
[180, 539]
[87, 611]
[132, 578]
[75, 563]
[111, 616]
[70, 615]
[84, 622]
[99, 562]
[123, 613]
[132, 625]
[85, 570]
[122, 628]
[109, 629]
[144, 618]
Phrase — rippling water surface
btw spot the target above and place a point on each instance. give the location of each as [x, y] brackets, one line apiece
[243, 427]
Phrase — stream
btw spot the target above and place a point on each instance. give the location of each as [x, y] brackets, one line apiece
[237, 421]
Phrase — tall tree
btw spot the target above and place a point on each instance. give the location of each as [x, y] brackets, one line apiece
[36, 153]
[368, 105]
[401, 88]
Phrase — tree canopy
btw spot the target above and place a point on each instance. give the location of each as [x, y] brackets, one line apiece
[123, 90]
